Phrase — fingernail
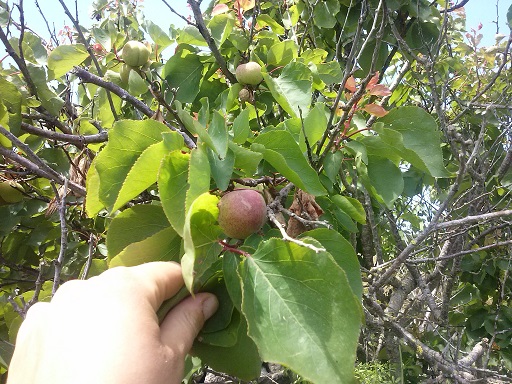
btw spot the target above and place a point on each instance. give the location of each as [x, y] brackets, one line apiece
[209, 305]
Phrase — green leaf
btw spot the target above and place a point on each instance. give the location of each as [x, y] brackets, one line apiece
[386, 180]
[162, 246]
[241, 360]
[241, 127]
[128, 140]
[184, 71]
[200, 238]
[221, 26]
[420, 142]
[343, 253]
[509, 17]
[226, 337]
[93, 204]
[221, 170]
[63, 58]
[11, 99]
[218, 131]
[198, 175]
[194, 126]
[351, 206]
[284, 154]
[292, 89]
[265, 20]
[330, 73]
[142, 175]
[6, 352]
[133, 225]
[232, 279]
[298, 312]
[332, 164]
[325, 13]
[282, 53]
[173, 187]
[245, 159]
[315, 124]
[160, 38]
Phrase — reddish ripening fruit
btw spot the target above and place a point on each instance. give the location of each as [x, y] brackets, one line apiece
[135, 53]
[249, 73]
[242, 212]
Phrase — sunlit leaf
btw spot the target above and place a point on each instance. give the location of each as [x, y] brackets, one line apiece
[299, 313]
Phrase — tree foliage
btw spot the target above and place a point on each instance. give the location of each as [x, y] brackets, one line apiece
[379, 136]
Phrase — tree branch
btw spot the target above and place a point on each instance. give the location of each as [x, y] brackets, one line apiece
[203, 30]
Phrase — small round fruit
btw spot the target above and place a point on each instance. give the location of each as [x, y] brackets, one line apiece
[135, 53]
[9, 192]
[244, 94]
[249, 73]
[124, 72]
[242, 212]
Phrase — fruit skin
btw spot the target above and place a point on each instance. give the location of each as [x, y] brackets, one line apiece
[135, 53]
[244, 95]
[242, 212]
[125, 73]
[249, 73]
[9, 193]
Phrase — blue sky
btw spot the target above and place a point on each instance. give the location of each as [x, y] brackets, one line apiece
[477, 11]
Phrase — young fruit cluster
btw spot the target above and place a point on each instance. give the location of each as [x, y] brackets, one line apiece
[242, 212]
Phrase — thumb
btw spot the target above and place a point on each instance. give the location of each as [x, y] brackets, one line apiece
[183, 323]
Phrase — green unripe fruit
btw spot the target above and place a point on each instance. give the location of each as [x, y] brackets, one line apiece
[249, 73]
[244, 95]
[124, 72]
[135, 53]
[242, 212]
[9, 192]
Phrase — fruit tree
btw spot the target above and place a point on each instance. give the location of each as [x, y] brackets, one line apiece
[337, 172]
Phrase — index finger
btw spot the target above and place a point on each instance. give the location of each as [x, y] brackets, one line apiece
[155, 281]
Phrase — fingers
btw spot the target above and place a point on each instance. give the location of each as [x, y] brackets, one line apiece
[182, 325]
[155, 281]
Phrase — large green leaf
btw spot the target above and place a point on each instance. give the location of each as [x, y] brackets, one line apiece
[241, 360]
[351, 206]
[292, 89]
[315, 124]
[284, 154]
[124, 153]
[299, 313]
[183, 71]
[133, 225]
[343, 253]
[200, 238]
[282, 53]
[418, 141]
[325, 13]
[63, 58]
[221, 26]
[386, 181]
[162, 246]
[11, 98]
[173, 187]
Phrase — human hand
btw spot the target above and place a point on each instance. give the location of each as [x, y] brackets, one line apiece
[105, 330]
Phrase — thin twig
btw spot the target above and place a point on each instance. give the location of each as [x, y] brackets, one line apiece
[273, 218]
[63, 236]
